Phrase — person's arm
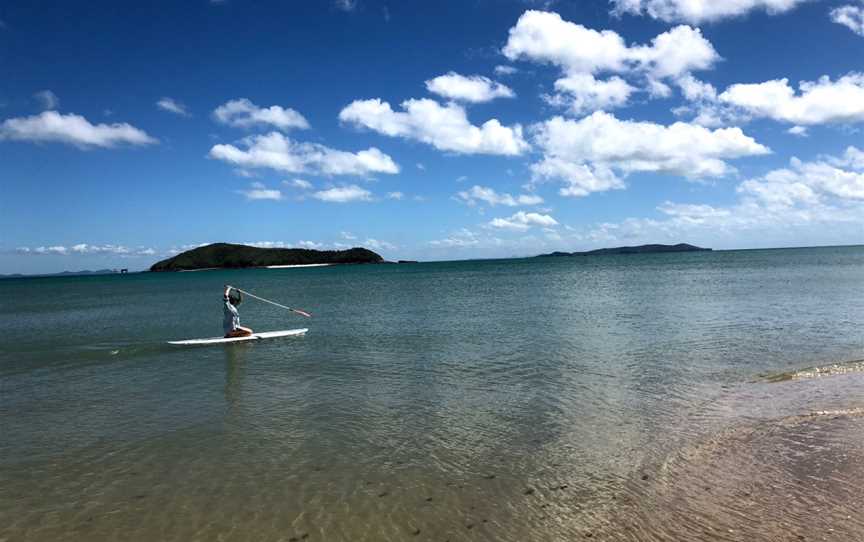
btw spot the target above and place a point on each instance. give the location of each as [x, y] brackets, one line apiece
[227, 291]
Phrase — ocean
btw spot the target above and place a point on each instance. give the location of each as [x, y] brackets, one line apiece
[692, 396]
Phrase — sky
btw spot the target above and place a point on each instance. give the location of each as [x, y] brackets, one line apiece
[130, 131]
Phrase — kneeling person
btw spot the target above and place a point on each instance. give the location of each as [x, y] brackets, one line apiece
[231, 322]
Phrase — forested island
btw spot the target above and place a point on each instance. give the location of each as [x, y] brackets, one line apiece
[230, 256]
[641, 249]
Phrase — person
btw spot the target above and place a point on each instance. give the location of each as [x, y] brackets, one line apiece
[231, 322]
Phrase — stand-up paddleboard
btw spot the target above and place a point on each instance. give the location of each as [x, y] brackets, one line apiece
[253, 337]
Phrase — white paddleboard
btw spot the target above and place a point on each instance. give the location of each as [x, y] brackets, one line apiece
[253, 337]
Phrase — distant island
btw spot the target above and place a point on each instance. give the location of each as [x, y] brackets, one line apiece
[229, 256]
[641, 249]
[85, 272]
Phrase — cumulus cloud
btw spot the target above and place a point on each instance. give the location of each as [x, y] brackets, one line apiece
[579, 179]
[445, 127]
[395, 195]
[522, 221]
[242, 113]
[51, 126]
[471, 88]
[343, 194]
[780, 207]
[583, 93]
[505, 70]
[700, 11]
[545, 37]
[489, 196]
[817, 102]
[581, 53]
[277, 151]
[852, 17]
[47, 99]
[585, 154]
[172, 106]
[799, 131]
[258, 191]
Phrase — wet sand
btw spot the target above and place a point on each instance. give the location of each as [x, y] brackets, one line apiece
[760, 477]
[794, 478]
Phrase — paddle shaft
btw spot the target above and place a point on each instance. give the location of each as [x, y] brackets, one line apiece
[303, 313]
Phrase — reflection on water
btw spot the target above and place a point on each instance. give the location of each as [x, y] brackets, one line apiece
[613, 398]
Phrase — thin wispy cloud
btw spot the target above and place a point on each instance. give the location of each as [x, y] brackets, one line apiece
[259, 191]
[47, 99]
[343, 194]
[173, 106]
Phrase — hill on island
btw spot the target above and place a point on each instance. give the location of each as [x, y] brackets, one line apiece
[641, 249]
[228, 256]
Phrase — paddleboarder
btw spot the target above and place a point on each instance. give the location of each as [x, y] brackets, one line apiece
[231, 321]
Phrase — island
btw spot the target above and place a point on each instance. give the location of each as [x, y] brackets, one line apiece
[230, 256]
[641, 249]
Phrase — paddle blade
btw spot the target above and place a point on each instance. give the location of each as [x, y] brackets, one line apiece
[302, 313]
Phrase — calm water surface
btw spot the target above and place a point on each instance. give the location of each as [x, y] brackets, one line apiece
[653, 397]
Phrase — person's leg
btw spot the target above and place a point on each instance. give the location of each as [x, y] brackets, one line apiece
[239, 332]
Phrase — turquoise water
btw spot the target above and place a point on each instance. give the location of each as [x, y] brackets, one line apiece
[454, 399]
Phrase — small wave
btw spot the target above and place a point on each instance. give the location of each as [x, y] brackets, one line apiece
[832, 369]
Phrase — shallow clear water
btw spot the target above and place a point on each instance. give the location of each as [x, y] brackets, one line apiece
[490, 400]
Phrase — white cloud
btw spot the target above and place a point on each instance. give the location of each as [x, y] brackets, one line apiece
[462, 238]
[85, 249]
[545, 37]
[258, 191]
[820, 201]
[172, 106]
[312, 245]
[585, 153]
[299, 184]
[799, 131]
[822, 101]
[376, 244]
[700, 11]
[522, 221]
[696, 90]
[851, 17]
[581, 92]
[242, 113]
[444, 127]
[51, 126]
[343, 194]
[47, 99]
[267, 244]
[505, 70]
[491, 197]
[347, 235]
[472, 88]
[395, 195]
[277, 151]
[579, 179]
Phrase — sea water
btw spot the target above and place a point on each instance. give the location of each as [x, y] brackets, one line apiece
[524, 399]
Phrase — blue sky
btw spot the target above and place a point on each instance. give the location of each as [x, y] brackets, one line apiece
[426, 130]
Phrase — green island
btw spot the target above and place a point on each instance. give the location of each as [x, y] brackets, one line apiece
[641, 249]
[231, 256]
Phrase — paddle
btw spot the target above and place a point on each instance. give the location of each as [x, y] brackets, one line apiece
[298, 311]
